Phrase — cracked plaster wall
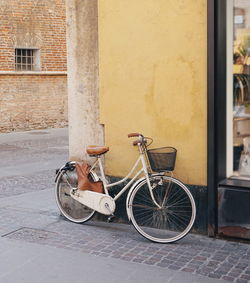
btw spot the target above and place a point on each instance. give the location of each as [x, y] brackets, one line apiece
[153, 80]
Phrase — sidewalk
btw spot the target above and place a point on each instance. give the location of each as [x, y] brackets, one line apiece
[30, 152]
[31, 263]
[38, 245]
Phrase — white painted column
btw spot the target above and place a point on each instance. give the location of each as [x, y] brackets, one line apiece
[83, 91]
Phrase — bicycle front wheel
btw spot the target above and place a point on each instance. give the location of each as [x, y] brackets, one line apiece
[69, 207]
[172, 219]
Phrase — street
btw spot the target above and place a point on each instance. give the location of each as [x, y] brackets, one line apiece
[39, 245]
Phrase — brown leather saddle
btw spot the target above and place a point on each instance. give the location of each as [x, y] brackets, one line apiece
[94, 150]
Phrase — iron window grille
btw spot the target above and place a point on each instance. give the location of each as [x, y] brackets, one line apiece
[26, 59]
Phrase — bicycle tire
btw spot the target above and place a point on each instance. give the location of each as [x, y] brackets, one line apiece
[173, 220]
[70, 208]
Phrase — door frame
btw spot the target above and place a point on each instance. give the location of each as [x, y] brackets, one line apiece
[216, 106]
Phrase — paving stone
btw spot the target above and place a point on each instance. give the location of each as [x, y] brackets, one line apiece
[226, 265]
[203, 272]
[137, 260]
[236, 270]
[223, 269]
[233, 274]
[241, 280]
[242, 265]
[206, 269]
[213, 263]
[201, 258]
[127, 258]
[247, 271]
[214, 275]
[196, 262]
[184, 259]
[194, 266]
[186, 269]
[204, 254]
[245, 276]
[173, 258]
[174, 267]
[228, 278]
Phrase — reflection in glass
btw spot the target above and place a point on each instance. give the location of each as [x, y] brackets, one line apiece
[241, 89]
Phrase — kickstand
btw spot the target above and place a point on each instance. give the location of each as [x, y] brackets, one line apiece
[110, 218]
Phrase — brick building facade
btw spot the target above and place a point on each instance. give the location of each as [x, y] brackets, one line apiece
[33, 67]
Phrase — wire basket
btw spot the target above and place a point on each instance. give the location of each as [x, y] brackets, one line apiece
[162, 159]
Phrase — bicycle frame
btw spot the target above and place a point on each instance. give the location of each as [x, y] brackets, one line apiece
[143, 170]
[160, 207]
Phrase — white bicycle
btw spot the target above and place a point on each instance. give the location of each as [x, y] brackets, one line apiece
[161, 208]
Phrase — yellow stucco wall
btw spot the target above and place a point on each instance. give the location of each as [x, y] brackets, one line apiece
[153, 80]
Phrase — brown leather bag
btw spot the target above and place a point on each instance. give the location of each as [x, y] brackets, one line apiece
[84, 183]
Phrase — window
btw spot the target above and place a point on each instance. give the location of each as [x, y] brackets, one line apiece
[238, 88]
[27, 59]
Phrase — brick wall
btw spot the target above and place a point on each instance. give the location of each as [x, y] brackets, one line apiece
[38, 99]
[32, 102]
[33, 23]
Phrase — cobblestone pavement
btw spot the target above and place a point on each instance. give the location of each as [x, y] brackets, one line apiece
[29, 160]
[28, 213]
[196, 254]
[15, 185]
[26, 153]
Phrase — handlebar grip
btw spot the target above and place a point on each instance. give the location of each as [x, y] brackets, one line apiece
[131, 135]
[136, 142]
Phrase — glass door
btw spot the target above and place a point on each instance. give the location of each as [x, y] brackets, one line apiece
[238, 89]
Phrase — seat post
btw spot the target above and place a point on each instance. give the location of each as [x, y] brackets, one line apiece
[102, 173]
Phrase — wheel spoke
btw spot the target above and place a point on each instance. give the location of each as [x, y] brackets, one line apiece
[70, 208]
[170, 222]
[143, 206]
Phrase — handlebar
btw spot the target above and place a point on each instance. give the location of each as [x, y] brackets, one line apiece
[131, 135]
[136, 142]
[140, 141]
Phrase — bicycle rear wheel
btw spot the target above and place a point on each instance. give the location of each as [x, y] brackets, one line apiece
[70, 208]
[175, 217]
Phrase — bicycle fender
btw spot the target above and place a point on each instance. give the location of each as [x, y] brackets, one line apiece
[131, 190]
[72, 163]
[58, 172]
